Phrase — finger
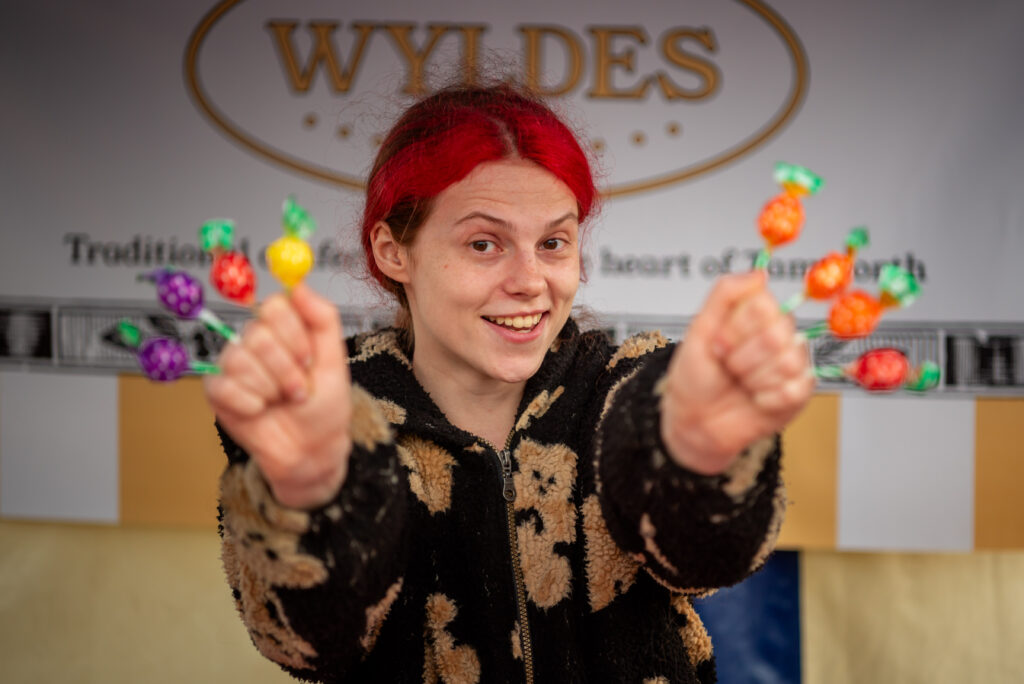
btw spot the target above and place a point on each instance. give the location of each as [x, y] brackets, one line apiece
[751, 315]
[761, 347]
[786, 397]
[238, 363]
[727, 292]
[284, 321]
[789, 364]
[278, 361]
[324, 324]
[227, 396]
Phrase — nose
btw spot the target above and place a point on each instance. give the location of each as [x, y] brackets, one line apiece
[525, 276]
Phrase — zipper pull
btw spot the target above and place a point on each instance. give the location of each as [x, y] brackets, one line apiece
[508, 489]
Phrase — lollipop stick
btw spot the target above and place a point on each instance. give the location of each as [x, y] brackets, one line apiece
[218, 326]
[203, 368]
[816, 330]
[763, 257]
[793, 302]
[829, 372]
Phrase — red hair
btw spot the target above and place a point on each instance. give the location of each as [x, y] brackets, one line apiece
[441, 139]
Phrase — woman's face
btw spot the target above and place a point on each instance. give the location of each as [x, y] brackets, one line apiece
[493, 273]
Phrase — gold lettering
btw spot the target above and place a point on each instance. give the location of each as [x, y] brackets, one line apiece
[322, 53]
[605, 59]
[534, 36]
[415, 59]
[671, 47]
[470, 51]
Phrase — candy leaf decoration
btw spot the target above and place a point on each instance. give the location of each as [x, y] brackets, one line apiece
[296, 220]
[290, 257]
[899, 286]
[881, 370]
[925, 377]
[854, 314]
[782, 217]
[797, 179]
[217, 234]
[129, 333]
[856, 239]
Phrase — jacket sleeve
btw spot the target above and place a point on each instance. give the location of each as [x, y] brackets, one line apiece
[694, 532]
[314, 587]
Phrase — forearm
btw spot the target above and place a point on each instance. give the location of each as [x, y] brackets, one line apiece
[694, 531]
[313, 586]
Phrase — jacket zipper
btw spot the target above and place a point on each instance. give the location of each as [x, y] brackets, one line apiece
[508, 492]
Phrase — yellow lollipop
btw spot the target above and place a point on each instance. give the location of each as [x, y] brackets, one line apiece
[290, 257]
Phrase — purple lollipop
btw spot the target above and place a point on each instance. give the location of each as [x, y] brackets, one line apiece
[163, 359]
[179, 292]
[182, 295]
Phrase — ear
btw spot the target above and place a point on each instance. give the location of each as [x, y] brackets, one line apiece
[392, 258]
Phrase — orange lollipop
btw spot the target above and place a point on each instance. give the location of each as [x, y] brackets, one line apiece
[831, 274]
[782, 218]
[856, 313]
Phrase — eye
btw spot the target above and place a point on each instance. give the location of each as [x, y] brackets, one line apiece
[482, 246]
[552, 244]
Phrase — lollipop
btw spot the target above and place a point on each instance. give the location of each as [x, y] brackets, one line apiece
[831, 274]
[883, 370]
[231, 273]
[782, 217]
[290, 256]
[182, 295]
[856, 313]
[161, 358]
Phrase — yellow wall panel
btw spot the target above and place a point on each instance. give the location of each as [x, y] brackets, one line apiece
[998, 474]
[112, 605]
[170, 455]
[912, 618]
[810, 460]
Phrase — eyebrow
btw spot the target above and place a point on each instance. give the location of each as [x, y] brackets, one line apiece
[505, 224]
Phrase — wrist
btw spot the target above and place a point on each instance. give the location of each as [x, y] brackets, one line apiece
[689, 442]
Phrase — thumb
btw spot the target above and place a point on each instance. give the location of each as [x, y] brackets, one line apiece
[324, 324]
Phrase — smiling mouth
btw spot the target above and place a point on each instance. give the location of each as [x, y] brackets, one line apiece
[517, 323]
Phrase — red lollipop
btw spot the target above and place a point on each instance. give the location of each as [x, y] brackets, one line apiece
[880, 370]
[232, 275]
[231, 272]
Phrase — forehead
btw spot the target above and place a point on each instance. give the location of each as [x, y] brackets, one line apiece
[518, 188]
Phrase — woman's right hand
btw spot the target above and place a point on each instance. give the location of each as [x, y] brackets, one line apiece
[284, 395]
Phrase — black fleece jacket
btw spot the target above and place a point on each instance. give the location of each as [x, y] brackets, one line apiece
[569, 554]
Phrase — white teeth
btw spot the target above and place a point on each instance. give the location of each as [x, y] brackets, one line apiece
[516, 322]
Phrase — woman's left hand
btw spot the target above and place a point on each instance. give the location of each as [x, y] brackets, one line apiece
[741, 374]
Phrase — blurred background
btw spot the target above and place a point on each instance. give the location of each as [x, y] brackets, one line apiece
[125, 126]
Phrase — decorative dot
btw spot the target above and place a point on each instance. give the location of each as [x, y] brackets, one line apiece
[344, 131]
[639, 138]
[598, 145]
[673, 128]
[377, 140]
[310, 120]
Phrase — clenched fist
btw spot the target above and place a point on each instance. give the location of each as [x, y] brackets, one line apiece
[741, 374]
[284, 395]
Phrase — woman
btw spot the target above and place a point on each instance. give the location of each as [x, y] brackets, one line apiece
[485, 493]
